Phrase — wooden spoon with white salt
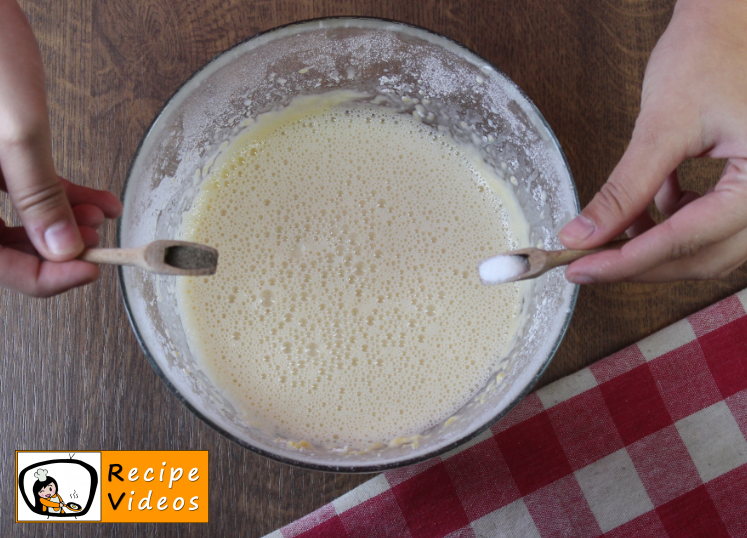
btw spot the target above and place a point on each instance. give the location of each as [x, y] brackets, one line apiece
[532, 262]
[165, 257]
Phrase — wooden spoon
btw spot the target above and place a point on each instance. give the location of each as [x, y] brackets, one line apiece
[164, 257]
[532, 262]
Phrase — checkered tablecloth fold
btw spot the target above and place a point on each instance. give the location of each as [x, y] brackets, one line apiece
[651, 441]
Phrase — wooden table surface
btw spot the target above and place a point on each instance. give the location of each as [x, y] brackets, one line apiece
[72, 375]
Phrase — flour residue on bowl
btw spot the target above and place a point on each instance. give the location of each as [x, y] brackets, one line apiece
[347, 310]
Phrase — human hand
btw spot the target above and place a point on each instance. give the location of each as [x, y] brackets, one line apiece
[694, 104]
[53, 229]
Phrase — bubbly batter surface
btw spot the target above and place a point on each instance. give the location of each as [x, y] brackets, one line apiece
[347, 308]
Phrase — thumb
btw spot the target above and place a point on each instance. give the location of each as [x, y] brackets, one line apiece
[651, 156]
[25, 142]
[40, 200]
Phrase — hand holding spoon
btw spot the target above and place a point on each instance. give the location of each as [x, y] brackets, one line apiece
[532, 262]
[165, 257]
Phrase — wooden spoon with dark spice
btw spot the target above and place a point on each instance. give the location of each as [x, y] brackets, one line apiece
[165, 257]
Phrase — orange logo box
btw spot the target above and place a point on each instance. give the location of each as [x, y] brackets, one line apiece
[149, 486]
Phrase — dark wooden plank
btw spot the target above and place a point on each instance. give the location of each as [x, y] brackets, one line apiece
[72, 374]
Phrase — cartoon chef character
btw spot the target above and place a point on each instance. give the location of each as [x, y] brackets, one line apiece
[47, 499]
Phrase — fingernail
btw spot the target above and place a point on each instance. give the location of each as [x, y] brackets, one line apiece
[578, 229]
[61, 238]
[580, 279]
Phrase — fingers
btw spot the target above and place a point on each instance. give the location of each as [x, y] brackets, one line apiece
[27, 274]
[39, 198]
[706, 221]
[711, 262]
[109, 204]
[671, 198]
[91, 208]
[649, 159]
[641, 224]
[17, 238]
[90, 236]
[88, 218]
[21, 269]
[88, 215]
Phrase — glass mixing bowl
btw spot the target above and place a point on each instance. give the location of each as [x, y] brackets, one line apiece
[404, 68]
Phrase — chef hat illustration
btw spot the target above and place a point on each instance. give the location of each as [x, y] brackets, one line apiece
[41, 474]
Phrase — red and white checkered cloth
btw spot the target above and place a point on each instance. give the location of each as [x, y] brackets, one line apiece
[650, 441]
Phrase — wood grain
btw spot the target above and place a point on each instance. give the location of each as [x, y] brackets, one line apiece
[71, 372]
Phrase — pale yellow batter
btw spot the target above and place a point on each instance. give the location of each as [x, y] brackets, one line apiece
[347, 308]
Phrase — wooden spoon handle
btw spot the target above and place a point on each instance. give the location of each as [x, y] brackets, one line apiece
[556, 258]
[114, 256]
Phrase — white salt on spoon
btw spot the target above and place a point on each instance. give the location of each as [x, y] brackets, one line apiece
[532, 262]
[503, 268]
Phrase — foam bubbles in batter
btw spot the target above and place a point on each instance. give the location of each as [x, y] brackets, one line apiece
[347, 309]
